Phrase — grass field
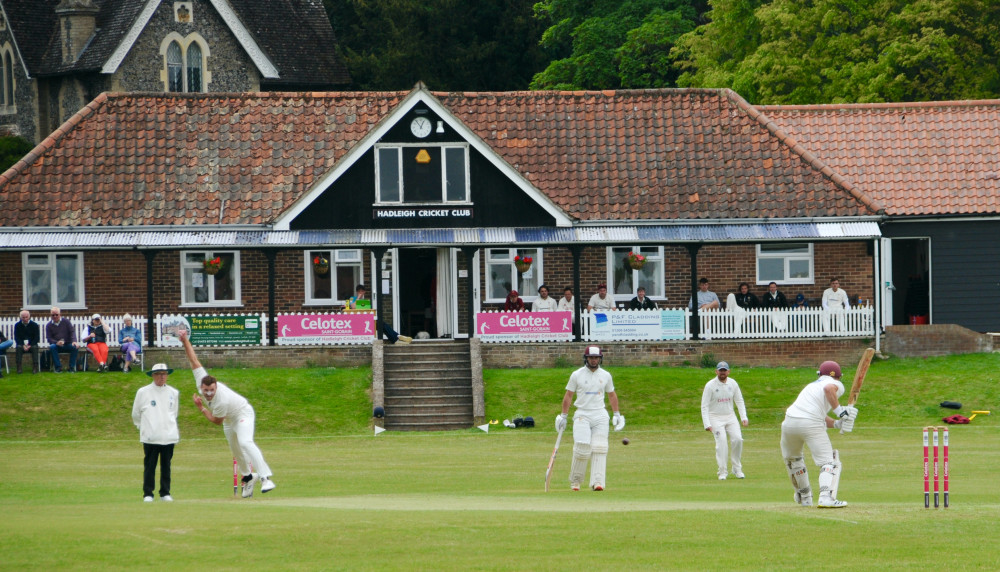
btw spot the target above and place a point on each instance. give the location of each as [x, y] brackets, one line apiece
[70, 480]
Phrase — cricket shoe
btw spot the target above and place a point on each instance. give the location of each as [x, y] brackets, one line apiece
[740, 475]
[575, 487]
[831, 503]
[167, 498]
[598, 487]
[722, 476]
[147, 499]
[248, 485]
[266, 485]
[806, 500]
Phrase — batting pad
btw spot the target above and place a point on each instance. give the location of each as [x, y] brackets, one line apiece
[578, 469]
[799, 474]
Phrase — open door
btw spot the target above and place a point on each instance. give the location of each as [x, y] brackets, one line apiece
[910, 278]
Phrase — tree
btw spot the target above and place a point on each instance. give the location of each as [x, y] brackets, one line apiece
[609, 44]
[12, 149]
[846, 51]
[450, 45]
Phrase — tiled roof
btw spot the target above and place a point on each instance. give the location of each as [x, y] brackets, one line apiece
[929, 158]
[159, 159]
[295, 34]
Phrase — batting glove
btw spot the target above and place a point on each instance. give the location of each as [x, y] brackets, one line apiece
[852, 412]
[847, 425]
[838, 424]
[618, 421]
[560, 422]
[840, 411]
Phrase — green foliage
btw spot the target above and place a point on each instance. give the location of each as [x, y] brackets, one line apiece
[11, 151]
[451, 45]
[802, 52]
[610, 44]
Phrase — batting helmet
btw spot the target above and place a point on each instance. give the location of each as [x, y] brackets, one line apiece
[830, 368]
[593, 351]
[379, 412]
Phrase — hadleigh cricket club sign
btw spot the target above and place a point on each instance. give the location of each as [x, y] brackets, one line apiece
[524, 326]
[421, 213]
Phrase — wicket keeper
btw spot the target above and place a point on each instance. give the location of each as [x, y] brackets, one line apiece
[590, 422]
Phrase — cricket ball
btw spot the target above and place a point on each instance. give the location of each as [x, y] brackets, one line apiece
[625, 441]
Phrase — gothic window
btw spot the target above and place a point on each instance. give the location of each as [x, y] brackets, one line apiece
[7, 79]
[175, 77]
[185, 59]
[194, 68]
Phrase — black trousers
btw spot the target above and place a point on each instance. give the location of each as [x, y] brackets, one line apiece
[19, 354]
[154, 453]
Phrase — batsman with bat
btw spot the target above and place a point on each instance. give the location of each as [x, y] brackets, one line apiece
[806, 423]
[590, 422]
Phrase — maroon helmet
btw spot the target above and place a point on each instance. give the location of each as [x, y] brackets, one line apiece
[830, 368]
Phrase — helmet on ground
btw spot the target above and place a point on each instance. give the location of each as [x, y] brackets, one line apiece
[593, 351]
[379, 412]
[830, 368]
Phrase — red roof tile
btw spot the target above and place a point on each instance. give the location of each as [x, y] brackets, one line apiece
[158, 159]
[928, 158]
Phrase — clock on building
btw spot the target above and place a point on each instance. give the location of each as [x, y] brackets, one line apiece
[420, 127]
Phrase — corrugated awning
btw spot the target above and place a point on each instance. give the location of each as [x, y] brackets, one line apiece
[594, 235]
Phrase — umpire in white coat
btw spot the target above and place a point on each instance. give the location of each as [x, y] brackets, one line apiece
[590, 422]
[154, 413]
[717, 417]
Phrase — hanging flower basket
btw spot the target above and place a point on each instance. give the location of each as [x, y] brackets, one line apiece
[321, 266]
[636, 261]
[212, 266]
[523, 263]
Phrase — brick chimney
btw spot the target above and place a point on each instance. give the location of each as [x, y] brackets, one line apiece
[77, 21]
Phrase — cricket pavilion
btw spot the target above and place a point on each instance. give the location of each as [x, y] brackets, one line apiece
[434, 200]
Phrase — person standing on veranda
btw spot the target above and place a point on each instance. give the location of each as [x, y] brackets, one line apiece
[717, 400]
[154, 412]
[223, 406]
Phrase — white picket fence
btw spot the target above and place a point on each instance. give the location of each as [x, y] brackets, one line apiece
[80, 323]
[802, 323]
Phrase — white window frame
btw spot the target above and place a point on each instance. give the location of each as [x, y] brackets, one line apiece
[237, 300]
[338, 257]
[53, 285]
[788, 256]
[536, 266]
[184, 42]
[650, 257]
[444, 173]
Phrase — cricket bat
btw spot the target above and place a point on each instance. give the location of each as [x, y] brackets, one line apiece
[859, 377]
[552, 461]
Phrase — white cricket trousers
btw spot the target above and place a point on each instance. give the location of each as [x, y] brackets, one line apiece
[796, 432]
[722, 427]
[239, 433]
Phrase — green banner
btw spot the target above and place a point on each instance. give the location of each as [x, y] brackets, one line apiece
[214, 330]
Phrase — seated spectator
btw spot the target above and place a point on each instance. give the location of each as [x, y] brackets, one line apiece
[567, 302]
[800, 302]
[27, 336]
[745, 298]
[130, 339]
[544, 303]
[5, 344]
[361, 293]
[61, 336]
[706, 298]
[97, 342]
[601, 301]
[513, 303]
[641, 302]
[835, 299]
[774, 299]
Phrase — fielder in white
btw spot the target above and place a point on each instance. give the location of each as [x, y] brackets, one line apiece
[225, 407]
[590, 422]
[806, 423]
[718, 419]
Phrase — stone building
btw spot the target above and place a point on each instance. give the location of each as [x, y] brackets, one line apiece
[58, 55]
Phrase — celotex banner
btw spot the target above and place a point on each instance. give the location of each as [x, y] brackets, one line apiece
[312, 329]
[524, 326]
[213, 330]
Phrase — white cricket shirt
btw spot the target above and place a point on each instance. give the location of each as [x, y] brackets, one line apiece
[811, 402]
[590, 387]
[718, 399]
[227, 403]
[154, 413]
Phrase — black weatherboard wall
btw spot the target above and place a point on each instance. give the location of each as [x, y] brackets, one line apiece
[965, 270]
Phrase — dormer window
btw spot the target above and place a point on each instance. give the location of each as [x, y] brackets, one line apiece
[418, 173]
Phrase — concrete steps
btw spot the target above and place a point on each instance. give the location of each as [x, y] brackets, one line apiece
[428, 386]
